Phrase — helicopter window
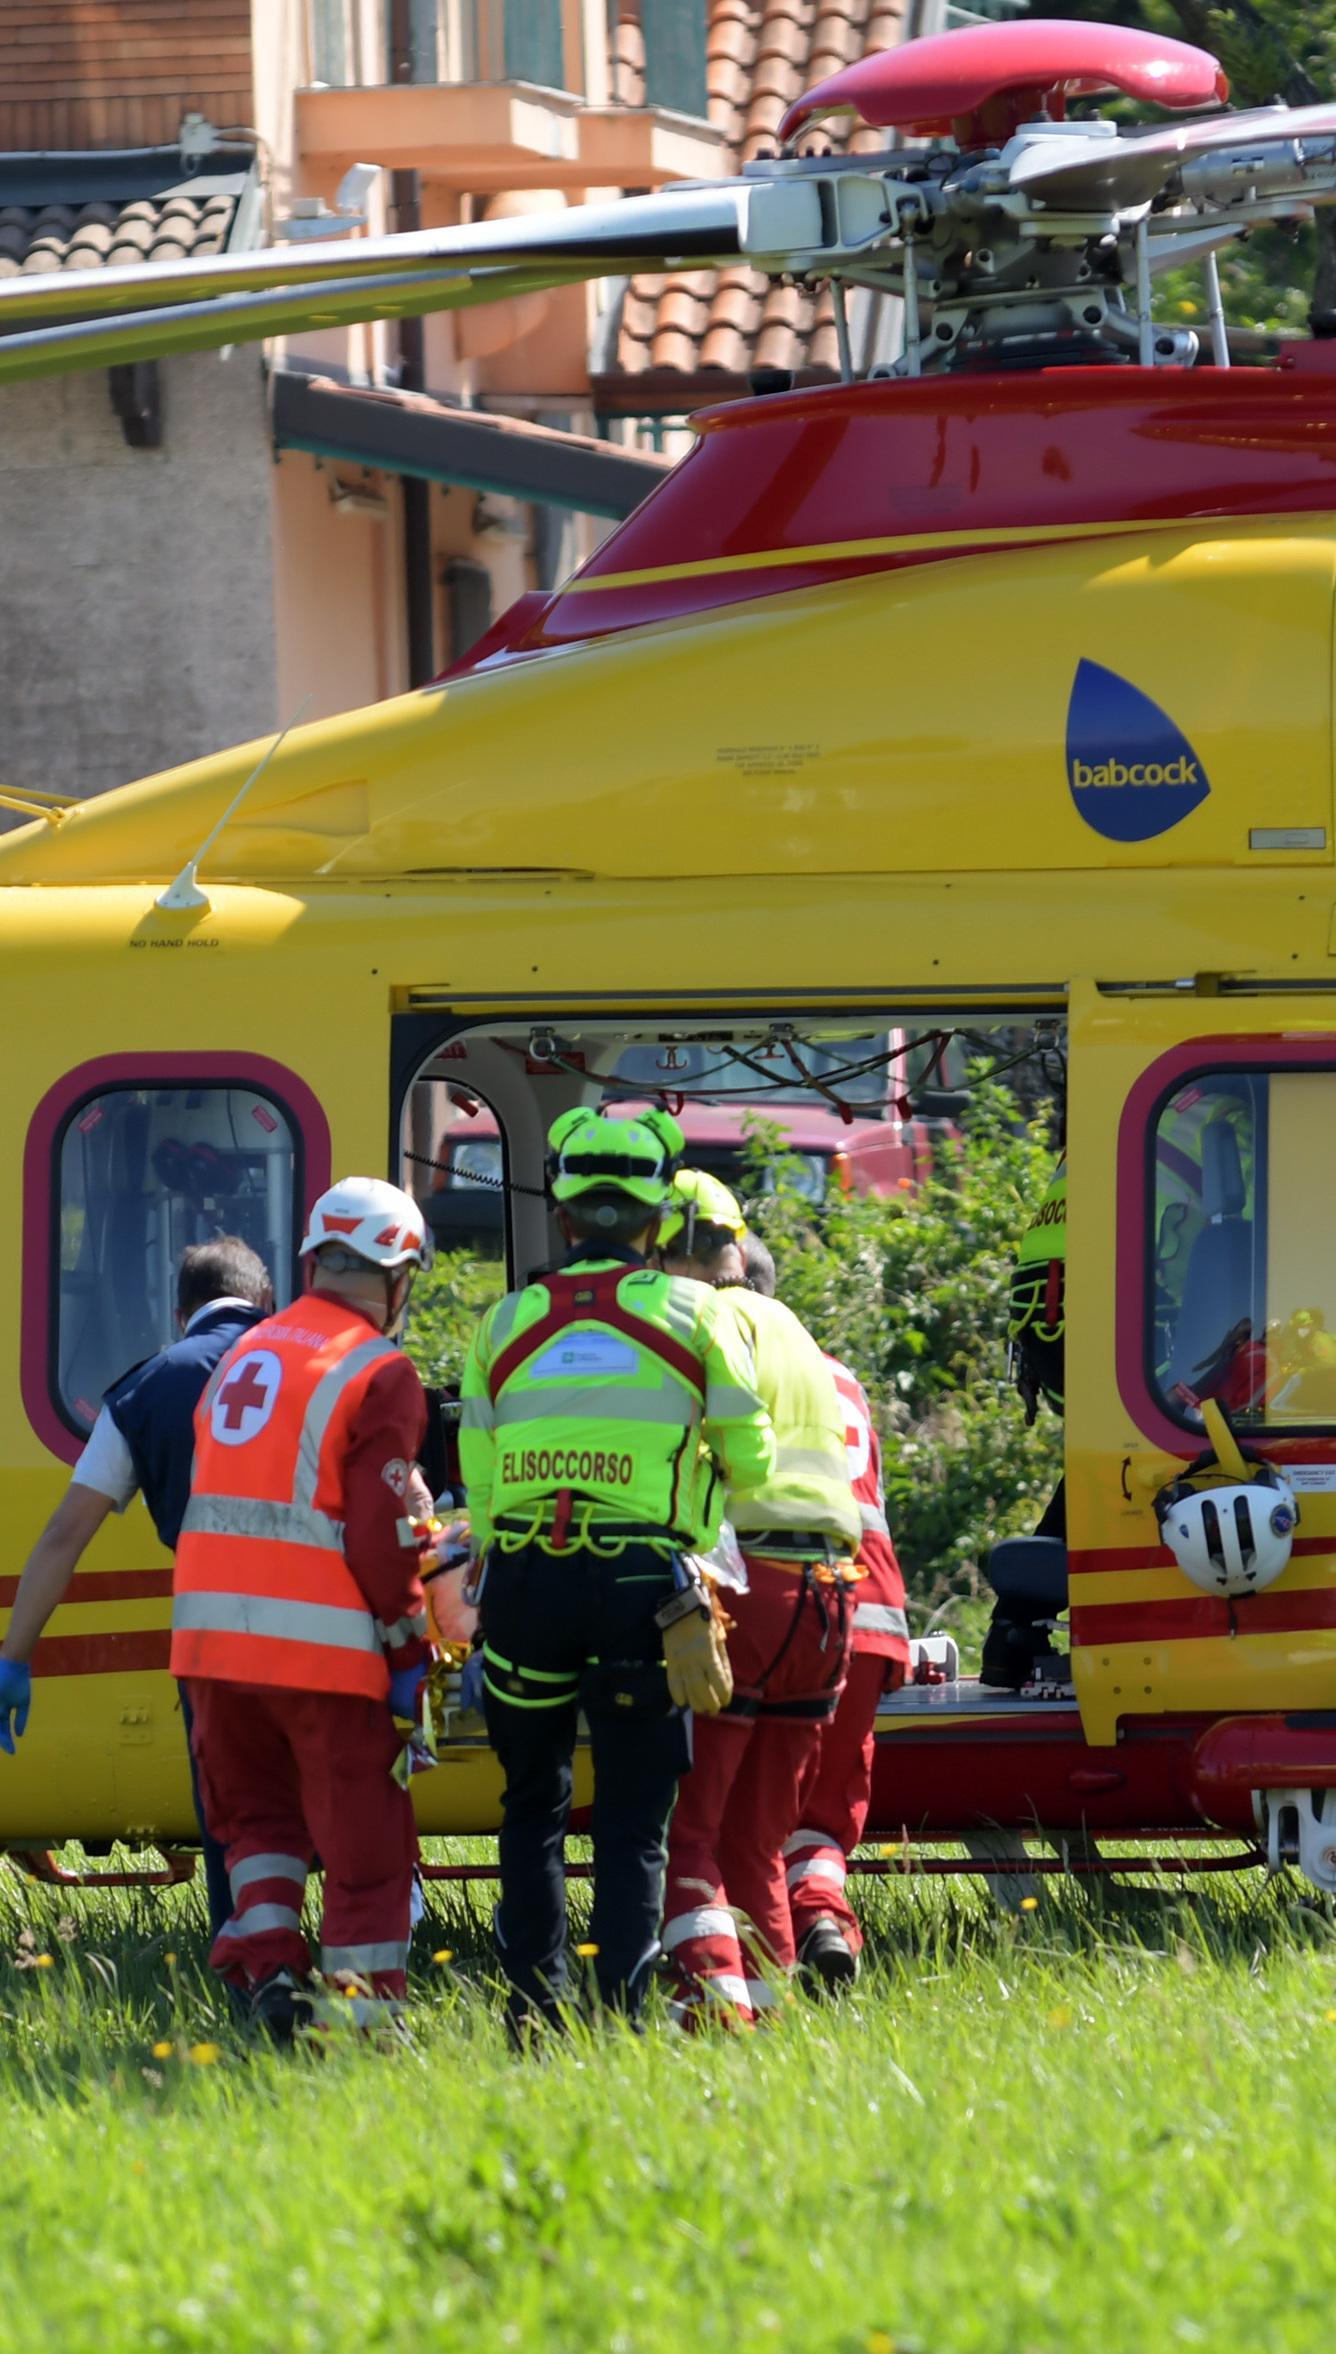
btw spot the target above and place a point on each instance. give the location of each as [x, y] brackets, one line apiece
[1242, 1251]
[142, 1172]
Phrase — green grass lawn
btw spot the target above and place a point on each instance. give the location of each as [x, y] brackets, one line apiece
[1106, 2124]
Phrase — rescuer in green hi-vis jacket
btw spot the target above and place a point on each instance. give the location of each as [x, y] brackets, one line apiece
[605, 1409]
[1036, 1342]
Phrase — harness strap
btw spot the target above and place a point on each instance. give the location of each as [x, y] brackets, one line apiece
[820, 1704]
[592, 1299]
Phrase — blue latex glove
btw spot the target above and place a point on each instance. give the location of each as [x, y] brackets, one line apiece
[15, 1694]
[405, 1685]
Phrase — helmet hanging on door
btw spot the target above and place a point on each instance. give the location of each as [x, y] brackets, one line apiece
[1234, 1537]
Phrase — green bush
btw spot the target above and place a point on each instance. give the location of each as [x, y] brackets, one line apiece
[911, 1292]
[447, 1305]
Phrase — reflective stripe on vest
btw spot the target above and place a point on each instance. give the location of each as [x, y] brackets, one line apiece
[277, 1622]
[263, 1591]
[561, 1401]
[879, 1618]
[592, 1299]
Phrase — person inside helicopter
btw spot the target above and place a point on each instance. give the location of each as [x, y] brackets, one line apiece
[1017, 1640]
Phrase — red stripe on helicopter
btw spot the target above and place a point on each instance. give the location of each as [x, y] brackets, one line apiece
[103, 1655]
[1107, 1560]
[1094, 1623]
[109, 1585]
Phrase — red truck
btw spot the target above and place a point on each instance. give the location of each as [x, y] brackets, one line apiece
[876, 1150]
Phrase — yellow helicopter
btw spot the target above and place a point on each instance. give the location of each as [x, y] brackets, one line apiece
[994, 690]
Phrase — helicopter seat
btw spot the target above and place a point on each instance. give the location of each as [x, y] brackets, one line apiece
[1217, 1283]
[1029, 1577]
[1029, 1574]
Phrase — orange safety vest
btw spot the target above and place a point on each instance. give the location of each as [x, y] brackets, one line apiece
[263, 1593]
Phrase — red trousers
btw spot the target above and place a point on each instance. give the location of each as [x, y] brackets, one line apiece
[727, 1902]
[290, 1776]
[835, 1802]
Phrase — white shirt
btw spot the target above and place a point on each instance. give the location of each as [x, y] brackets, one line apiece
[106, 1465]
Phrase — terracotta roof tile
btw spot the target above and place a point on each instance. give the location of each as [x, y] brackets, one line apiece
[38, 238]
[759, 56]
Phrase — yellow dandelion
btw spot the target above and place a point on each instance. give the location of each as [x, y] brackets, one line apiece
[1029, 1904]
[880, 2343]
[446, 1954]
[586, 1952]
[137, 2166]
[162, 2051]
[42, 1961]
[1188, 309]
[204, 2054]
[1060, 2015]
[1331, 2018]
[170, 1960]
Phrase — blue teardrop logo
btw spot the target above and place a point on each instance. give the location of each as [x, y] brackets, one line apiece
[1133, 774]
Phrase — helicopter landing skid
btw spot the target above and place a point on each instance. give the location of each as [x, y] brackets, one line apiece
[39, 1863]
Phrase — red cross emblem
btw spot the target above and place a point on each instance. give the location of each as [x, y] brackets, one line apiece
[245, 1399]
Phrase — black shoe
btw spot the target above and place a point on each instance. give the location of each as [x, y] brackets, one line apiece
[281, 2005]
[826, 1957]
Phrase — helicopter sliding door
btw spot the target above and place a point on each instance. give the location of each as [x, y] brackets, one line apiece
[1201, 1264]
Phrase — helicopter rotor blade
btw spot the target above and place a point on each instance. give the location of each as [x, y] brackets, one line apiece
[97, 318]
[241, 318]
[677, 228]
[1118, 175]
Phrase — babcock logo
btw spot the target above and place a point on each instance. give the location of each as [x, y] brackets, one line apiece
[1132, 774]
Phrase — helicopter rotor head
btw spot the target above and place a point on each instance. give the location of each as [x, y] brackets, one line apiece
[1014, 236]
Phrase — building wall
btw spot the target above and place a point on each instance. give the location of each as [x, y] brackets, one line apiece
[136, 596]
[338, 588]
[121, 73]
[339, 578]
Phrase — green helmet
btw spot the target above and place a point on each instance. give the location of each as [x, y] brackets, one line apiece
[698, 1199]
[590, 1154]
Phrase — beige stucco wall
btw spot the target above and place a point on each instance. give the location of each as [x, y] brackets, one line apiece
[338, 594]
[136, 586]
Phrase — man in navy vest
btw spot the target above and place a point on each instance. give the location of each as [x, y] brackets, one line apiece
[143, 1441]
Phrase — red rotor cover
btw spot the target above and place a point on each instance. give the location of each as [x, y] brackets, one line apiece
[946, 82]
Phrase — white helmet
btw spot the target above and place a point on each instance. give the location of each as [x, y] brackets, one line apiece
[371, 1219]
[1234, 1538]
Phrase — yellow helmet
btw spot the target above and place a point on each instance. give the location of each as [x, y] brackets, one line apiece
[590, 1154]
[698, 1199]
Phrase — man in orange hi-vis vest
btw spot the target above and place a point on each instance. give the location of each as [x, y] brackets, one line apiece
[298, 1620]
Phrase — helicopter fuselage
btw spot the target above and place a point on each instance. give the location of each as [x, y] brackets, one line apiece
[981, 700]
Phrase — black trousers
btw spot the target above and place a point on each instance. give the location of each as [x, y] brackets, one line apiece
[564, 1633]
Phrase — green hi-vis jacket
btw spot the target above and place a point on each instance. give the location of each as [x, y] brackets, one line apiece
[1037, 1287]
[612, 1393]
[808, 1488]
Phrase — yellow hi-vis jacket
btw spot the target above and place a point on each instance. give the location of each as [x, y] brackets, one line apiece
[608, 1396]
[808, 1491]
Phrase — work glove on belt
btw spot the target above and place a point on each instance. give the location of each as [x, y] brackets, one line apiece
[694, 1652]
